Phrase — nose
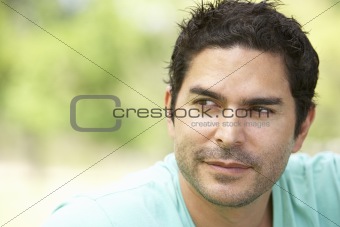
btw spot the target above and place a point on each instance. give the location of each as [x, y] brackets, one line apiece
[230, 132]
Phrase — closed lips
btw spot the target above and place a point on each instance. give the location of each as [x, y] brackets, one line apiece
[228, 164]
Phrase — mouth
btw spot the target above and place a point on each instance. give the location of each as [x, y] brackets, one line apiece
[228, 166]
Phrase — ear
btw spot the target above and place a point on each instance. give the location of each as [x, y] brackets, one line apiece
[170, 123]
[304, 130]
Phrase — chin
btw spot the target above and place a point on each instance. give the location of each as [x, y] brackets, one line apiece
[222, 195]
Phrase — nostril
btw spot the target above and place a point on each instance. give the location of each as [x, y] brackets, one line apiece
[219, 141]
[229, 133]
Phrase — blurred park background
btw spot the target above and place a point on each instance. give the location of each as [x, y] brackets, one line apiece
[52, 51]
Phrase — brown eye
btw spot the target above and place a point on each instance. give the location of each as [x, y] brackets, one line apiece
[260, 111]
[206, 103]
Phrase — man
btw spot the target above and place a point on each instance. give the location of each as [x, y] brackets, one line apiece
[245, 75]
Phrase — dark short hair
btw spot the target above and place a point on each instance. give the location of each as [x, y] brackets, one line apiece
[227, 23]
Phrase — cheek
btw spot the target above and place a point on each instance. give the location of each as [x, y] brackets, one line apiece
[276, 130]
[278, 152]
[196, 128]
[273, 141]
[189, 137]
[267, 137]
[184, 152]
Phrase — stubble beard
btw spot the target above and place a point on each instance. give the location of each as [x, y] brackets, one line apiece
[266, 169]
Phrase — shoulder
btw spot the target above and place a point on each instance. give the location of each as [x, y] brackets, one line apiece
[310, 187]
[318, 173]
[320, 162]
[322, 167]
[313, 174]
[137, 200]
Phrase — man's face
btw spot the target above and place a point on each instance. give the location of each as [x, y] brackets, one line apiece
[226, 157]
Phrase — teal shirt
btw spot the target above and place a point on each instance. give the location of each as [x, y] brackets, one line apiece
[307, 194]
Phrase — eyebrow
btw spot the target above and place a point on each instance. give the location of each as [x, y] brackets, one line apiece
[267, 101]
[206, 92]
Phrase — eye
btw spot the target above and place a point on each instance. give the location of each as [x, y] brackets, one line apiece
[259, 111]
[205, 102]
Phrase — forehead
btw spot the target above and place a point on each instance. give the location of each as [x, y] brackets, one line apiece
[238, 71]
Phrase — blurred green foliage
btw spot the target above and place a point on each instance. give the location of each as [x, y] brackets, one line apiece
[60, 49]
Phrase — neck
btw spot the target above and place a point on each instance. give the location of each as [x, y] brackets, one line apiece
[204, 213]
